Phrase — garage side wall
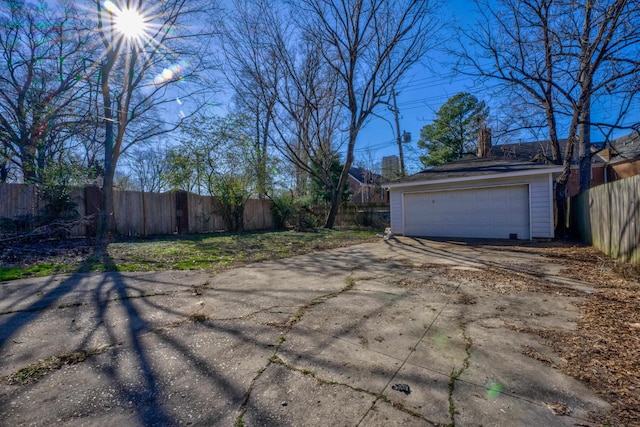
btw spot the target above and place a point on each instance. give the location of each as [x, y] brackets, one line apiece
[395, 209]
[541, 205]
[540, 193]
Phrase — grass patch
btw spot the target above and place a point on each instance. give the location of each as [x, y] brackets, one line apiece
[37, 370]
[215, 252]
[198, 317]
[42, 269]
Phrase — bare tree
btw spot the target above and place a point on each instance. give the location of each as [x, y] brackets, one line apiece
[139, 72]
[253, 72]
[148, 166]
[286, 89]
[308, 116]
[556, 57]
[43, 87]
[369, 45]
[604, 55]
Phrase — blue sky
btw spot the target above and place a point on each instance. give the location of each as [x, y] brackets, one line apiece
[422, 93]
[419, 97]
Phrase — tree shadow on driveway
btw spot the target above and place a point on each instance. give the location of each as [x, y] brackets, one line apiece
[145, 350]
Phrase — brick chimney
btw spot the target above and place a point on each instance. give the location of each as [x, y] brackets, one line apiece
[484, 142]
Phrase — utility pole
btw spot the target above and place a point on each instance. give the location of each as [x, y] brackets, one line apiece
[396, 113]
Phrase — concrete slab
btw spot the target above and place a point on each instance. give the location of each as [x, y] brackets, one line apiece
[197, 373]
[311, 340]
[282, 397]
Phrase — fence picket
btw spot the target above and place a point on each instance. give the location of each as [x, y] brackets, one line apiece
[608, 217]
[136, 213]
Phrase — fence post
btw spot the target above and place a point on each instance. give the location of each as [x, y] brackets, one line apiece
[92, 205]
[182, 212]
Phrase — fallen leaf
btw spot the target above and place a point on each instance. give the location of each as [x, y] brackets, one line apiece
[558, 408]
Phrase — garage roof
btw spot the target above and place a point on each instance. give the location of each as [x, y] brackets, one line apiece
[474, 168]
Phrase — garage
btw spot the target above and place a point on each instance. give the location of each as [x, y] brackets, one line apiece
[500, 212]
[475, 198]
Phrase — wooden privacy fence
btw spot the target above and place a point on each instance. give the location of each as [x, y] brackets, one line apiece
[19, 200]
[608, 217]
[375, 215]
[138, 213]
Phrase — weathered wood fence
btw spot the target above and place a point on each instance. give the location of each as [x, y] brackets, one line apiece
[608, 217]
[375, 215]
[137, 213]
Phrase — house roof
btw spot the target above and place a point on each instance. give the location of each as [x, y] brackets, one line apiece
[535, 151]
[364, 176]
[474, 168]
[626, 147]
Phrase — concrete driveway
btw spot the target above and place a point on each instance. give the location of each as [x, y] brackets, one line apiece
[404, 331]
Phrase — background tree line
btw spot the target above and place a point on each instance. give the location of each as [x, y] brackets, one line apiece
[81, 101]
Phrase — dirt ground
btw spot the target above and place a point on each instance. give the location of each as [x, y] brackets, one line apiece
[604, 352]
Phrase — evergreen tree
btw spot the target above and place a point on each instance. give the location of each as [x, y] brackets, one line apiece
[454, 132]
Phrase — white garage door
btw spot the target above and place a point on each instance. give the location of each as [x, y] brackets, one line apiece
[497, 212]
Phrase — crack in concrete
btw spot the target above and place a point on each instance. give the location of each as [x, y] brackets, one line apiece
[455, 374]
[35, 371]
[288, 325]
[380, 396]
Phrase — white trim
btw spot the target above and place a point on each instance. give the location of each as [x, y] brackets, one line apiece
[552, 203]
[356, 179]
[404, 216]
[499, 175]
[475, 187]
[530, 212]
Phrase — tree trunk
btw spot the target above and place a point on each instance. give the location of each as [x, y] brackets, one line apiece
[562, 197]
[28, 161]
[563, 179]
[336, 198]
[553, 135]
[107, 222]
[584, 147]
[584, 101]
[106, 214]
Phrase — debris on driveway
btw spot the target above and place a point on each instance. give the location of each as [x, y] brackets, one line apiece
[403, 388]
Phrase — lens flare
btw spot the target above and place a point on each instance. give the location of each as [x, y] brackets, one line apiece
[493, 389]
[171, 73]
[131, 23]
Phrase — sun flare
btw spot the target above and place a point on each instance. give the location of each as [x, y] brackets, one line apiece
[129, 22]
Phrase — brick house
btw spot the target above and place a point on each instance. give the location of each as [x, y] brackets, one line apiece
[366, 187]
[618, 159]
[621, 157]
